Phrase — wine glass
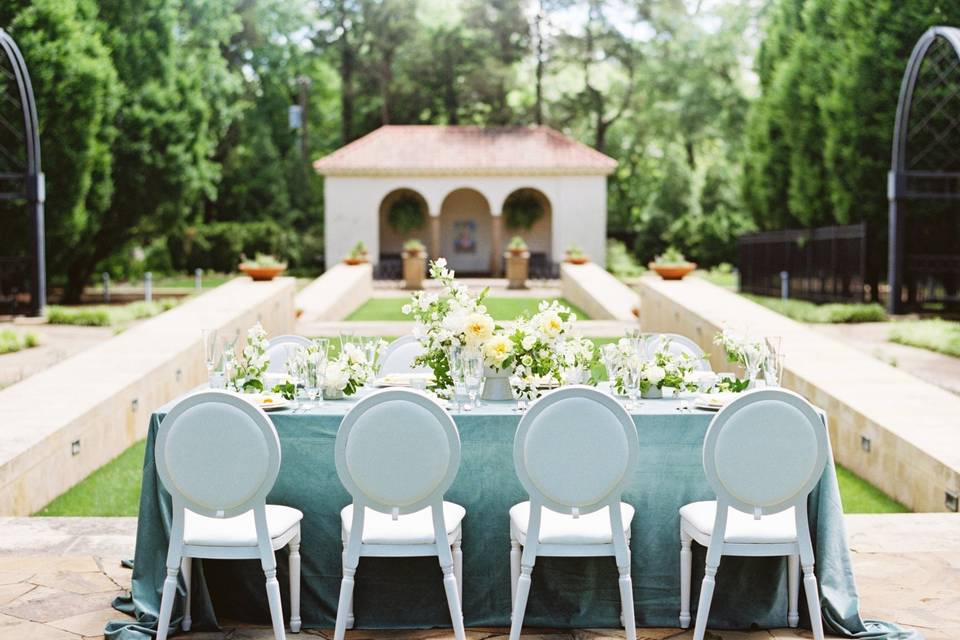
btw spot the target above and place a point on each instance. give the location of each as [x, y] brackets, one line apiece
[773, 362]
[632, 377]
[609, 355]
[473, 377]
[210, 353]
[229, 355]
[313, 383]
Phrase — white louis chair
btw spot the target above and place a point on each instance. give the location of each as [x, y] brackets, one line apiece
[399, 356]
[574, 452]
[397, 452]
[681, 345]
[218, 456]
[763, 454]
[281, 349]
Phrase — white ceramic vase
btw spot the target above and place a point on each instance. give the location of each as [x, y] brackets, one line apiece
[496, 385]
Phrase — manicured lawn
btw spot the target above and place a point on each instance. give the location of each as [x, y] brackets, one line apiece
[804, 311]
[859, 496]
[936, 335]
[111, 490]
[102, 315]
[499, 308]
[114, 490]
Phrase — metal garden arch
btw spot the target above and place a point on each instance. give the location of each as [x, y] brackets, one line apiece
[21, 188]
[925, 167]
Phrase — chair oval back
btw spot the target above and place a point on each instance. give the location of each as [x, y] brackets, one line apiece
[399, 356]
[281, 349]
[682, 345]
[217, 454]
[765, 450]
[397, 449]
[575, 448]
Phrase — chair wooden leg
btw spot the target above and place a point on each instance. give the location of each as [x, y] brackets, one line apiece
[514, 571]
[346, 600]
[166, 601]
[793, 590]
[295, 622]
[813, 601]
[350, 604]
[626, 603]
[458, 569]
[686, 571]
[273, 598]
[453, 603]
[520, 603]
[703, 607]
[186, 568]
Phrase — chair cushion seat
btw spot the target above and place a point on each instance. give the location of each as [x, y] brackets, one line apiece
[239, 531]
[410, 528]
[560, 528]
[741, 527]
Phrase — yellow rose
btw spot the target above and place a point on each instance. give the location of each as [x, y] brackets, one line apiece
[478, 329]
[497, 349]
[551, 325]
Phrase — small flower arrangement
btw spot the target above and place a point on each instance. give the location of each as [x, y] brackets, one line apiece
[743, 350]
[577, 357]
[252, 363]
[537, 344]
[351, 369]
[617, 357]
[452, 317]
[668, 371]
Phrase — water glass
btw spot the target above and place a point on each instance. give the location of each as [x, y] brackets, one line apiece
[753, 356]
[460, 394]
[631, 375]
[313, 384]
[229, 356]
[473, 378]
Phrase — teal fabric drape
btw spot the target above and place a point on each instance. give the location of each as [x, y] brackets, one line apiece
[575, 593]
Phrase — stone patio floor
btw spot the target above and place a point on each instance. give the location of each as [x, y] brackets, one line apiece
[59, 575]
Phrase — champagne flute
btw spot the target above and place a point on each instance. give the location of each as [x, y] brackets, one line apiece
[473, 377]
[229, 355]
[210, 354]
[773, 362]
[752, 353]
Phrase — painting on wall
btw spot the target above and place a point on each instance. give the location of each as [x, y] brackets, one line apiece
[465, 236]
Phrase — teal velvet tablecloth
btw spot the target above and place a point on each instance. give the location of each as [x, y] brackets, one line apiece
[577, 593]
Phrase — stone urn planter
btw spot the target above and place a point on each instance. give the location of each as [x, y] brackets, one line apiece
[355, 260]
[518, 268]
[673, 271]
[414, 269]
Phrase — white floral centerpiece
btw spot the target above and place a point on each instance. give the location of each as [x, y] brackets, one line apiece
[451, 317]
[617, 357]
[252, 363]
[667, 371]
[349, 371]
[742, 350]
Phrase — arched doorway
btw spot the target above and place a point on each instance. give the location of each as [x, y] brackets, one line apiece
[527, 213]
[465, 231]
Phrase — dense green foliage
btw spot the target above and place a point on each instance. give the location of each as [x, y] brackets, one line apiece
[820, 134]
[12, 340]
[107, 316]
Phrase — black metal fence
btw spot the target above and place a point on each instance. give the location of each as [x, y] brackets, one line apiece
[827, 264]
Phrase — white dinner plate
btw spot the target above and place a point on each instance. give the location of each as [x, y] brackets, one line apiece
[714, 401]
[402, 379]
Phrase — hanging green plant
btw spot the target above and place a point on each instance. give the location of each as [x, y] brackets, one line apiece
[406, 215]
[522, 210]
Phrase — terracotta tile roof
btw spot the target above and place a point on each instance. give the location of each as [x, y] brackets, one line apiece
[464, 150]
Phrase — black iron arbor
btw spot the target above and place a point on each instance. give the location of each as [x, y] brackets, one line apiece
[924, 179]
[22, 266]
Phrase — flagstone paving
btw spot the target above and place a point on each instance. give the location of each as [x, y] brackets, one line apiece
[58, 577]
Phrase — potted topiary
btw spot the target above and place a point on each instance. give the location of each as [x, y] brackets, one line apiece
[518, 263]
[672, 265]
[263, 267]
[414, 264]
[357, 255]
[575, 255]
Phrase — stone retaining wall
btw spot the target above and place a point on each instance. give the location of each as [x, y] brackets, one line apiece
[340, 291]
[897, 431]
[599, 294]
[61, 424]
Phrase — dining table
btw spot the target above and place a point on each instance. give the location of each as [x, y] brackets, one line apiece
[403, 593]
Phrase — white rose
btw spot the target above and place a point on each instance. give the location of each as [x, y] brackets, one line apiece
[478, 328]
[528, 342]
[550, 324]
[497, 349]
[406, 309]
[655, 374]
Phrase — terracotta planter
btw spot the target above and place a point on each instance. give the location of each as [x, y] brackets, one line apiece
[577, 260]
[263, 274]
[673, 271]
[414, 270]
[355, 261]
[518, 269]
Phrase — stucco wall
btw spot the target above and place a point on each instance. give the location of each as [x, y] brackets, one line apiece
[578, 206]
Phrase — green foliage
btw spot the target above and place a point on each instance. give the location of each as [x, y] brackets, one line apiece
[406, 215]
[936, 335]
[522, 210]
[621, 262]
[832, 313]
[263, 260]
[670, 256]
[107, 316]
[820, 134]
[859, 496]
[217, 246]
[11, 340]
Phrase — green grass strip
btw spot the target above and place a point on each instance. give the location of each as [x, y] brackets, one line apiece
[938, 335]
[832, 313]
[389, 309]
[111, 490]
